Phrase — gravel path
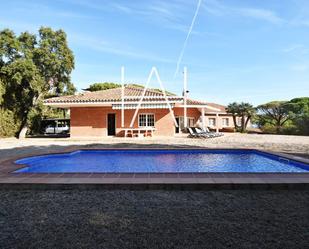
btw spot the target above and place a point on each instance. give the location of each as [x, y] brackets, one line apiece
[289, 144]
[154, 219]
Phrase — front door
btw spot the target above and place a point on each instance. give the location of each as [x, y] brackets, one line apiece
[111, 124]
[177, 128]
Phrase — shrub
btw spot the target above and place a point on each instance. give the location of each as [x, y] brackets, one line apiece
[8, 124]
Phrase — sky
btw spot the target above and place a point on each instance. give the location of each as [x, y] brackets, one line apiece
[237, 50]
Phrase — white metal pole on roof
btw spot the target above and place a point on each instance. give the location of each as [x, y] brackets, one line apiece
[185, 96]
[166, 99]
[122, 96]
[203, 119]
[153, 71]
[141, 99]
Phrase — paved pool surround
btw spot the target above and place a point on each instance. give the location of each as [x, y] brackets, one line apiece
[181, 181]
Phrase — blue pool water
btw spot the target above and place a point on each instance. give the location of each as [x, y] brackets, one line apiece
[159, 161]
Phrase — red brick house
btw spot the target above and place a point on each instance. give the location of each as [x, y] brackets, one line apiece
[99, 114]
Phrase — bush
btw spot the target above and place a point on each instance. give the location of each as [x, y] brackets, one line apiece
[34, 120]
[269, 129]
[8, 124]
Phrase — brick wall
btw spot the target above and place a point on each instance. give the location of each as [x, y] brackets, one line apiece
[92, 121]
[191, 113]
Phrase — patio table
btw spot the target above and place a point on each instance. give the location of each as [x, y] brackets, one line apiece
[138, 132]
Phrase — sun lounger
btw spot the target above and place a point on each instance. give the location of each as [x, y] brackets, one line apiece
[202, 133]
[194, 134]
[207, 132]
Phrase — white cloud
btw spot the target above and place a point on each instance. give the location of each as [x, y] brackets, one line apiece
[300, 22]
[42, 10]
[18, 26]
[299, 49]
[166, 14]
[262, 14]
[300, 67]
[217, 8]
[105, 46]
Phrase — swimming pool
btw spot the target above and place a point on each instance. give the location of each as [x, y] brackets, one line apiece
[160, 161]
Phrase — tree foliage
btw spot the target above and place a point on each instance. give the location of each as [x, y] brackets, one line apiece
[285, 117]
[2, 91]
[274, 113]
[154, 89]
[8, 124]
[245, 111]
[32, 66]
[298, 109]
[102, 86]
[110, 85]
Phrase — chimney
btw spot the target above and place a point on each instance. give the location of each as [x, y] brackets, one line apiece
[185, 93]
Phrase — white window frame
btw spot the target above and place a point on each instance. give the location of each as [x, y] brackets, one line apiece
[212, 125]
[154, 119]
[190, 118]
[227, 123]
[181, 124]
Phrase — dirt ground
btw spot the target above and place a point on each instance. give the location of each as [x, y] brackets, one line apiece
[154, 219]
[10, 147]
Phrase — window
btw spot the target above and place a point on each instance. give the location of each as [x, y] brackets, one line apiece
[142, 120]
[225, 122]
[146, 120]
[238, 121]
[191, 122]
[212, 122]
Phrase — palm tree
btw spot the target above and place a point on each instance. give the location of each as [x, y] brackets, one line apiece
[243, 110]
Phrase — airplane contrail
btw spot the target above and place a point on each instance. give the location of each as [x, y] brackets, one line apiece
[187, 38]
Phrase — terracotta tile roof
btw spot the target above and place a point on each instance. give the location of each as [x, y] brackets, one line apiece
[114, 95]
[111, 95]
[221, 108]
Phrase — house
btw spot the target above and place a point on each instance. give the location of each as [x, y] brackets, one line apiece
[99, 114]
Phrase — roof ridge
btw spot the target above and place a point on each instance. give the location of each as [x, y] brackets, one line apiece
[130, 87]
[142, 88]
[212, 103]
[103, 90]
[197, 100]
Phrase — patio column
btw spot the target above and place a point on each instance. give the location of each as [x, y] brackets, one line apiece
[217, 122]
[203, 119]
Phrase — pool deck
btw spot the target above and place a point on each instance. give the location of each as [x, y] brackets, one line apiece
[194, 181]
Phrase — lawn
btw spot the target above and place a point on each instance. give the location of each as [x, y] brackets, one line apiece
[154, 219]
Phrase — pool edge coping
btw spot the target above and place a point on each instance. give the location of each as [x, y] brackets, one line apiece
[154, 180]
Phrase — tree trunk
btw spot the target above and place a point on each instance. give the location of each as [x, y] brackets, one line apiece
[278, 126]
[247, 121]
[24, 126]
[243, 128]
[23, 129]
[235, 123]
